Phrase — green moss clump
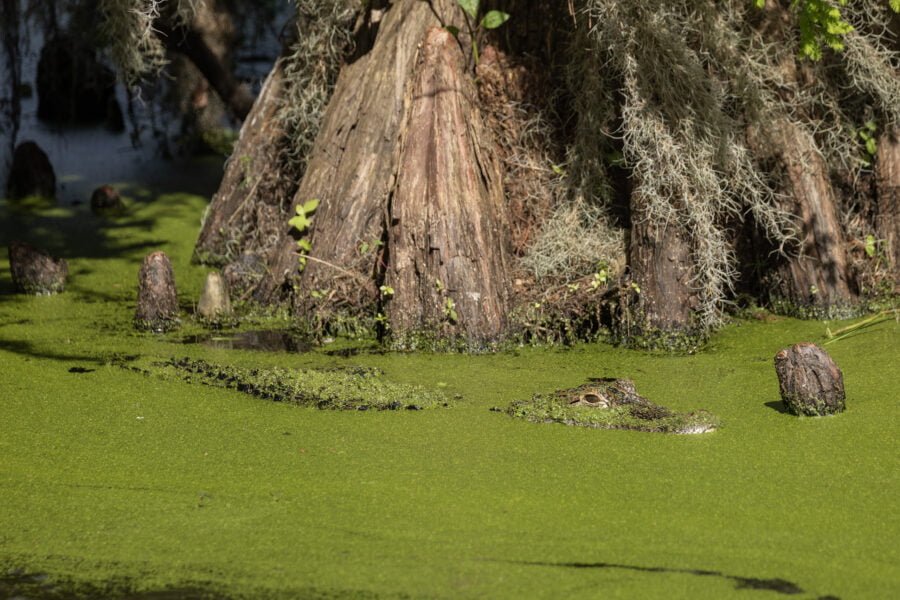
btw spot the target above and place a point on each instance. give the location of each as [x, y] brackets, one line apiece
[640, 415]
[661, 340]
[355, 388]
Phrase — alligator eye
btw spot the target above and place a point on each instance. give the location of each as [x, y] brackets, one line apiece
[592, 398]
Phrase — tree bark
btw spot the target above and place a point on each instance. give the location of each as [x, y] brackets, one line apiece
[157, 300]
[814, 276]
[662, 267]
[887, 218]
[809, 381]
[448, 242]
[34, 271]
[249, 212]
[352, 167]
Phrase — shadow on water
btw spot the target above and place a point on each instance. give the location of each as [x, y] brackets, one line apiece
[777, 585]
[778, 406]
[272, 340]
[19, 584]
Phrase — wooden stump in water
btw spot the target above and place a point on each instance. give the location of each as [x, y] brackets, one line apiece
[36, 272]
[157, 305]
[811, 384]
[214, 301]
[106, 200]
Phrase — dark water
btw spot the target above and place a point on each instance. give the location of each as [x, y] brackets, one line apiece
[86, 157]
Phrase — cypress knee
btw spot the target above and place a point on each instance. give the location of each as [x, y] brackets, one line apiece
[811, 384]
[36, 272]
[157, 305]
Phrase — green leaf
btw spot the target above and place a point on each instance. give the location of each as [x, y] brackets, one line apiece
[870, 246]
[871, 146]
[470, 6]
[760, 3]
[895, 5]
[304, 244]
[300, 223]
[494, 19]
[454, 31]
[310, 206]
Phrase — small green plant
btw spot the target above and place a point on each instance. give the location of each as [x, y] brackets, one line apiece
[871, 246]
[302, 223]
[601, 276]
[386, 291]
[491, 20]
[450, 310]
[365, 247]
[867, 133]
[821, 24]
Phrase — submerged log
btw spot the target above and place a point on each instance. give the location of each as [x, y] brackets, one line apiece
[447, 241]
[157, 303]
[36, 272]
[31, 173]
[809, 381]
[887, 218]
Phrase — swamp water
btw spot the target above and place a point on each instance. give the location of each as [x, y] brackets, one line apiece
[133, 485]
[112, 478]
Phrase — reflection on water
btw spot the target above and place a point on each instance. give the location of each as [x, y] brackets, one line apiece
[86, 157]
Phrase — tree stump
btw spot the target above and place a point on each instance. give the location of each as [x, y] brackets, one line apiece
[811, 384]
[31, 173]
[106, 201]
[214, 301]
[157, 304]
[36, 272]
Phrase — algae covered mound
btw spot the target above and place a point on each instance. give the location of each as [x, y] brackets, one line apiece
[353, 388]
[609, 404]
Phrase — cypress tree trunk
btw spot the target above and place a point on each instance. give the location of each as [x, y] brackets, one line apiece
[887, 218]
[248, 214]
[659, 257]
[447, 240]
[409, 190]
[813, 278]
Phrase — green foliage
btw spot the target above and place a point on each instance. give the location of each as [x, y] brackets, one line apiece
[491, 20]
[450, 310]
[302, 223]
[821, 24]
[870, 246]
[867, 133]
